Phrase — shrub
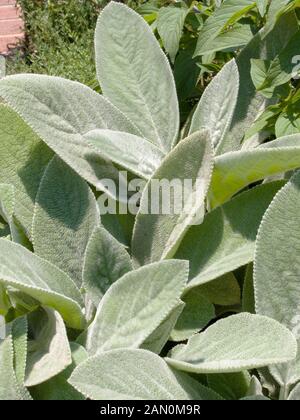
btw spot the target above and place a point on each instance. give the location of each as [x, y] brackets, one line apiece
[197, 302]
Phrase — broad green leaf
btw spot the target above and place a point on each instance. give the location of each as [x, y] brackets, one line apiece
[231, 386]
[232, 39]
[58, 388]
[19, 329]
[250, 103]
[186, 64]
[227, 14]
[170, 22]
[276, 10]
[127, 150]
[288, 122]
[235, 170]
[48, 348]
[131, 374]
[65, 216]
[7, 201]
[216, 106]
[160, 336]
[224, 291]
[61, 112]
[276, 269]
[106, 260]
[197, 313]
[226, 238]
[280, 70]
[24, 158]
[236, 343]
[175, 204]
[136, 304]
[9, 389]
[28, 273]
[276, 264]
[130, 67]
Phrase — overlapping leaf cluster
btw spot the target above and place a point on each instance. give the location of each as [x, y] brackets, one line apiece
[112, 306]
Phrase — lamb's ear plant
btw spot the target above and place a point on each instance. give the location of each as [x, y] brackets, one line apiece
[93, 313]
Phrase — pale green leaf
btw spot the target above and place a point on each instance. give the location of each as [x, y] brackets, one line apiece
[262, 6]
[160, 336]
[226, 238]
[236, 343]
[161, 233]
[224, 291]
[216, 106]
[58, 388]
[61, 112]
[197, 313]
[19, 329]
[106, 260]
[295, 393]
[130, 67]
[130, 374]
[65, 216]
[136, 304]
[41, 280]
[48, 348]
[131, 152]
[235, 170]
[170, 22]
[24, 158]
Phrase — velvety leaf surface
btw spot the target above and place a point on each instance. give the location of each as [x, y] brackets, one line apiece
[65, 213]
[230, 346]
[130, 374]
[48, 351]
[61, 112]
[41, 280]
[157, 236]
[106, 260]
[24, 158]
[135, 305]
[130, 67]
[216, 106]
[228, 233]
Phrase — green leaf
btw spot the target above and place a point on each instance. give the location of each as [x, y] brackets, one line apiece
[48, 348]
[262, 6]
[117, 375]
[161, 232]
[216, 106]
[232, 39]
[7, 201]
[131, 152]
[228, 233]
[225, 15]
[197, 313]
[230, 346]
[234, 171]
[65, 214]
[251, 103]
[19, 329]
[160, 336]
[170, 22]
[24, 158]
[276, 269]
[248, 301]
[130, 67]
[8, 383]
[135, 305]
[288, 122]
[61, 112]
[28, 273]
[58, 388]
[231, 386]
[295, 394]
[106, 260]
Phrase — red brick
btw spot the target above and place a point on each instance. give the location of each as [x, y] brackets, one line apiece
[9, 41]
[11, 26]
[9, 12]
